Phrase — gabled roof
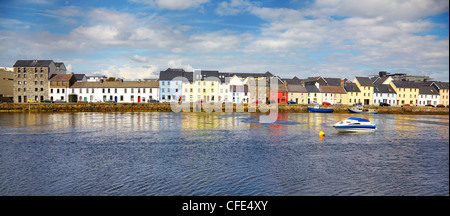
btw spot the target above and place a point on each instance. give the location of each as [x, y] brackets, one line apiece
[351, 87]
[365, 81]
[61, 77]
[332, 89]
[441, 85]
[170, 73]
[312, 89]
[384, 88]
[79, 76]
[296, 89]
[33, 63]
[427, 90]
[405, 84]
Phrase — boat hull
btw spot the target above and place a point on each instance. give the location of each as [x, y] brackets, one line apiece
[321, 110]
[359, 111]
[347, 129]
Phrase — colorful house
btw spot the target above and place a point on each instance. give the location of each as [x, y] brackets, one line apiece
[442, 87]
[407, 92]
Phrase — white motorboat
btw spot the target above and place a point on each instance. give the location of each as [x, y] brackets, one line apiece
[355, 125]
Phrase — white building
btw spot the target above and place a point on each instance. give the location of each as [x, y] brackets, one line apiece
[384, 93]
[428, 95]
[117, 91]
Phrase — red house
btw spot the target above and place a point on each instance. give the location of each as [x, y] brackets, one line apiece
[280, 96]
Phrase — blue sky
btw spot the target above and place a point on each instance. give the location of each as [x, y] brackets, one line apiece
[135, 39]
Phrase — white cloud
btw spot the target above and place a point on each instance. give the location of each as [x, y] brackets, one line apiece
[233, 7]
[130, 73]
[174, 4]
[391, 9]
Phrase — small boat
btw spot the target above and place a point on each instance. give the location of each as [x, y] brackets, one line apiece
[361, 109]
[318, 109]
[355, 125]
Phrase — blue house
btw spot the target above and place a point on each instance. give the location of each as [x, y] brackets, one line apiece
[170, 88]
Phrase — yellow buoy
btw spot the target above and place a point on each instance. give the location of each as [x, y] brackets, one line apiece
[321, 133]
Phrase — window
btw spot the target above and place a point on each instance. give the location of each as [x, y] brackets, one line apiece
[19, 82]
[18, 75]
[42, 89]
[162, 83]
[92, 90]
[35, 82]
[115, 90]
[35, 89]
[109, 90]
[61, 90]
[24, 76]
[42, 82]
[57, 91]
[18, 89]
[103, 90]
[57, 83]
[121, 97]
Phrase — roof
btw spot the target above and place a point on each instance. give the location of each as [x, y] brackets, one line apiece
[441, 85]
[296, 88]
[383, 88]
[351, 87]
[294, 81]
[117, 84]
[332, 89]
[170, 74]
[378, 80]
[405, 84]
[61, 77]
[427, 90]
[312, 88]
[79, 76]
[33, 63]
[365, 81]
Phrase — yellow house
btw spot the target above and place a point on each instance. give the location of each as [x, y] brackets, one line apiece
[366, 86]
[297, 94]
[334, 94]
[443, 92]
[354, 95]
[407, 92]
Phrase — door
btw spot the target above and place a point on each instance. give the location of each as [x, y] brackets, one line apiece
[139, 99]
[115, 99]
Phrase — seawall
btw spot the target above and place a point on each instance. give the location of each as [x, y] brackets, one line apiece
[165, 107]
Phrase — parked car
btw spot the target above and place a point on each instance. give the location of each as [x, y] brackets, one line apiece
[82, 101]
[338, 103]
[257, 102]
[326, 103]
[292, 102]
[59, 101]
[384, 104]
[31, 101]
[429, 105]
[48, 101]
[406, 105]
[109, 101]
[440, 105]
[153, 101]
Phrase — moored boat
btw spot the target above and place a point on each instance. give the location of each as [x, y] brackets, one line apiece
[318, 109]
[361, 109]
[355, 125]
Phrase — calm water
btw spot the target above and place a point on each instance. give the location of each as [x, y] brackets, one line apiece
[220, 154]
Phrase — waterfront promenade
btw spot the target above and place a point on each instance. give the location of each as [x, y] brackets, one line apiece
[165, 107]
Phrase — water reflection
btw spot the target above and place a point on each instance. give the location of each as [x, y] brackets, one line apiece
[220, 154]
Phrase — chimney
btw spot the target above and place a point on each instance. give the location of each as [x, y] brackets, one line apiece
[342, 83]
[382, 73]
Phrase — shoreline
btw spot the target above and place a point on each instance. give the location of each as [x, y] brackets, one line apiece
[165, 107]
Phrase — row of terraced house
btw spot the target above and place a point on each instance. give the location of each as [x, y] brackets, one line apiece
[46, 80]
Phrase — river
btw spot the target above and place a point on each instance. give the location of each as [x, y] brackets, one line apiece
[215, 154]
